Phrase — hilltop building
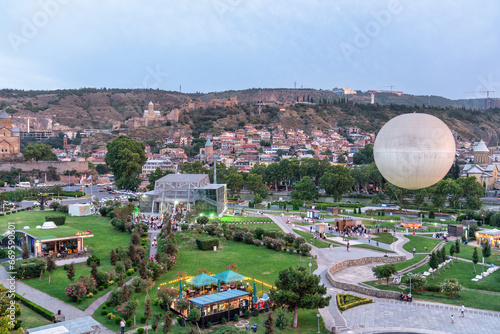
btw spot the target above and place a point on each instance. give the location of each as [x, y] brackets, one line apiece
[485, 172]
[10, 140]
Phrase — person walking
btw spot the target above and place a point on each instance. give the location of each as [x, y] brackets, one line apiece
[462, 311]
[331, 250]
[348, 245]
[122, 326]
[452, 319]
[414, 250]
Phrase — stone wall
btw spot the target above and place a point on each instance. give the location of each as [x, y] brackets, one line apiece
[358, 288]
[61, 166]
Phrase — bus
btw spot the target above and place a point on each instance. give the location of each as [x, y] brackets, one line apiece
[23, 185]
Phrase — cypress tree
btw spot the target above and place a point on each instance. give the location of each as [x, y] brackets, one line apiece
[71, 272]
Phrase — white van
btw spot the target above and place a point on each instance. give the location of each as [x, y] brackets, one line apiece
[23, 185]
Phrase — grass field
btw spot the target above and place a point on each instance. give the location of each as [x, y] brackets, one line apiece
[421, 244]
[416, 258]
[372, 248]
[105, 238]
[384, 237]
[466, 252]
[317, 242]
[256, 262]
[264, 226]
[239, 219]
[31, 319]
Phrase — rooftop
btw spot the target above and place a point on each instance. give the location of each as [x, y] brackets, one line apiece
[56, 233]
[218, 297]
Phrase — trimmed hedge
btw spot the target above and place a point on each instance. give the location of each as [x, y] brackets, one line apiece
[37, 308]
[29, 268]
[58, 220]
[207, 244]
[348, 301]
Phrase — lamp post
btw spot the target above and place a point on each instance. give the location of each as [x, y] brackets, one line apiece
[410, 275]
[318, 315]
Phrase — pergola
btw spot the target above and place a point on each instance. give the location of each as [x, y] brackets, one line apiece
[492, 235]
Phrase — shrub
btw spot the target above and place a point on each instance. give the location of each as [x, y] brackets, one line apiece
[75, 291]
[236, 317]
[255, 312]
[179, 320]
[119, 268]
[129, 322]
[101, 288]
[140, 330]
[117, 320]
[283, 318]
[304, 249]
[66, 266]
[29, 268]
[130, 272]
[88, 282]
[95, 259]
[247, 314]
[63, 209]
[37, 308]
[194, 315]
[111, 316]
[348, 301]
[142, 320]
[223, 320]
[209, 324]
[58, 220]
[90, 295]
[104, 312]
[207, 244]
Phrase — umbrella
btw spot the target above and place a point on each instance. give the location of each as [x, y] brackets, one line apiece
[202, 280]
[229, 276]
[180, 288]
[255, 298]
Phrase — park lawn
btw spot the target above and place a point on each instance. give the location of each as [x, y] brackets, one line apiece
[384, 237]
[31, 319]
[256, 262]
[405, 264]
[264, 226]
[464, 272]
[239, 219]
[373, 248]
[466, 252]
[105, 238]
[421, 244]
[473, 299]
[374, 223]
[316, 242]
[376, 217]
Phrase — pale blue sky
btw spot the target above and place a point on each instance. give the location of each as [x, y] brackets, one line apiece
[424, 47]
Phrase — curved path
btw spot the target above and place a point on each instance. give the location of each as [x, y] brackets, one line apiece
[389, 315]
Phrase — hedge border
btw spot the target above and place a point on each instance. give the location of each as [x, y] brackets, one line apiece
[361, 301]
[35, 307]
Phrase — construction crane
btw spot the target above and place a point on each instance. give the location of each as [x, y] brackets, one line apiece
[391, 86]
[487, 96]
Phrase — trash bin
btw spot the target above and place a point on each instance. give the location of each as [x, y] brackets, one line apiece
[247, 328]
[254, 328]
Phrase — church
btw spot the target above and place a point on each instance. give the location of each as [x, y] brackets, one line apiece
[485, 172]
[10, 140]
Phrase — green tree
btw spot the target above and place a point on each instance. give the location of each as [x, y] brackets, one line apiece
[193, 168]
[284, 318]
[472, 191]
[305, 190]
[156, 175]
[39, 152]
[71, 272]
[125, 157]
[457, 246]
[269, 324]
[51, 267]
[486, 249]
[101, 169]
[452, 252]
[363, 156]
[336, 181]
[385, 271]
[475, 259]
[341, 159]
[297, 289]
[26, 252]
[235, 181]
[167, 324]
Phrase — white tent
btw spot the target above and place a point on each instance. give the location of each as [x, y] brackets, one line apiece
[79, 210]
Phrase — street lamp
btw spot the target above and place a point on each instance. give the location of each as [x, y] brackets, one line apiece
[410, 275]
[318, 315]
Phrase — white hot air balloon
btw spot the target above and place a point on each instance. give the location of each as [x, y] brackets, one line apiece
[414, 151]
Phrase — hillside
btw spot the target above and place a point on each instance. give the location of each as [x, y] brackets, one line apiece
[75, 110]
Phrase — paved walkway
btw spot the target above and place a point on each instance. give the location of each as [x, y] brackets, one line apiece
[384, 315]
[152, 235]
[50, 303]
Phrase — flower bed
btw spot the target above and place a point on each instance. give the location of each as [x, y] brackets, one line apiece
[348, 301]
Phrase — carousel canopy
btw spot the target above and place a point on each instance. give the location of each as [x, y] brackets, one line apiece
[202, 279]
[229, 276]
